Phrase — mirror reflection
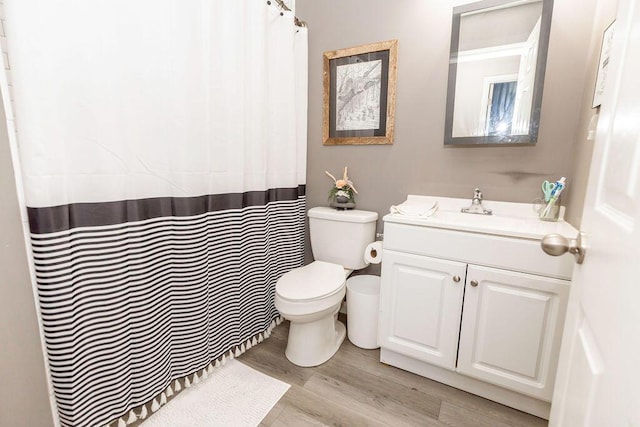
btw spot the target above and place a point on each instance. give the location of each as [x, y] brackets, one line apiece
[498, 54]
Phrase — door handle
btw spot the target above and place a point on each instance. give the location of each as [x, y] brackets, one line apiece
[556, 245]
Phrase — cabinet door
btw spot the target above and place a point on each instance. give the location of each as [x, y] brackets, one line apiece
[511, 329]
[420, 307]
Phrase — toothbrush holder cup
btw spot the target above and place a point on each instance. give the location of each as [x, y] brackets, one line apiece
[545, 212]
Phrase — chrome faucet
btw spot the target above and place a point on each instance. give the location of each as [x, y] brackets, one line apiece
[476, 205]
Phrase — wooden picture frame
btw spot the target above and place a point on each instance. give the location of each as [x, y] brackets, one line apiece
[360, 94]
[603, 65]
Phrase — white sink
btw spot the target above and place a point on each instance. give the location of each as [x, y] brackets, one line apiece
[508, 219]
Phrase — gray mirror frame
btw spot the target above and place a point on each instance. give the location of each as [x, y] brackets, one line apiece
[541, 64]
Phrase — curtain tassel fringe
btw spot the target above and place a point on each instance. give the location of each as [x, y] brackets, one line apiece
[169, 391]
[163, 399]
[132, 417]
[176, 386]
[155, 405]
[122, 422]
[143, 412]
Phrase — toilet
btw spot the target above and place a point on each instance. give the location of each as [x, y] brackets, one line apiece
[310, 296]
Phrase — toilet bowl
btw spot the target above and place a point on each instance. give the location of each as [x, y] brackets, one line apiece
[310, 298]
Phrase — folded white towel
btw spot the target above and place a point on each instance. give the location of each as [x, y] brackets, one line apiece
[419, 210]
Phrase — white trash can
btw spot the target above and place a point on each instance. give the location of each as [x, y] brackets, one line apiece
[363, 300]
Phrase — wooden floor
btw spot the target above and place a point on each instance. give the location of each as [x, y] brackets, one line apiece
[354, 389]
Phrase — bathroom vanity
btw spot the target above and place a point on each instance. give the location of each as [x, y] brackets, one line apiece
[472, 301]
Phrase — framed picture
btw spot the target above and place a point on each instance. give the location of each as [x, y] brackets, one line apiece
[603, 65]
[360, 94]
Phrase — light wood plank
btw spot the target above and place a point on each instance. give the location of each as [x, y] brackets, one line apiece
[458, 416]
[388, 390]
[320, 409]
[375, 402]
[292, 417]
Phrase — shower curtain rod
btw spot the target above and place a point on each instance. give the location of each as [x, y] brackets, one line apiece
[283, 6]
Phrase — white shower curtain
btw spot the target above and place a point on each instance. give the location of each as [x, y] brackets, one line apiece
[163, 150]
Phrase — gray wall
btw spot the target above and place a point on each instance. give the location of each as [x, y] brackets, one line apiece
[418, 162]
[24, 399]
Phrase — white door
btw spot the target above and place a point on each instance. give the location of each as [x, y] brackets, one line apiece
[526, 80]
[420, 307]
[511, 329]
[598, 382]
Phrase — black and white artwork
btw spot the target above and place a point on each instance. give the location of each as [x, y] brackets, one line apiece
[358, 95]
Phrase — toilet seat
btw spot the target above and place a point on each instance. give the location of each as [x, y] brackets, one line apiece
[312, 282]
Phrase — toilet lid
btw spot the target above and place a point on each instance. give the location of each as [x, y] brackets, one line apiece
[316, 280]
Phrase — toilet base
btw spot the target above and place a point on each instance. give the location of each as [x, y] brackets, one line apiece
[313, 343]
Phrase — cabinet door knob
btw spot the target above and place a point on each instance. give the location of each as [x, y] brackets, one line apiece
[473, 283]
[456, 279]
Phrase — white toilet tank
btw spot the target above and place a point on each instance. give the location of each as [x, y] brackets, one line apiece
[341, 236]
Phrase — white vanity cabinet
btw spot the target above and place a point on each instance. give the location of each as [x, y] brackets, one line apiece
[474, 307]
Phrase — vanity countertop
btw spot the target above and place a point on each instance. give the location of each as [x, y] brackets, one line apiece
[508, 219]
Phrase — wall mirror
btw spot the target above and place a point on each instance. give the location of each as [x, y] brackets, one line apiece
[496, 72]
